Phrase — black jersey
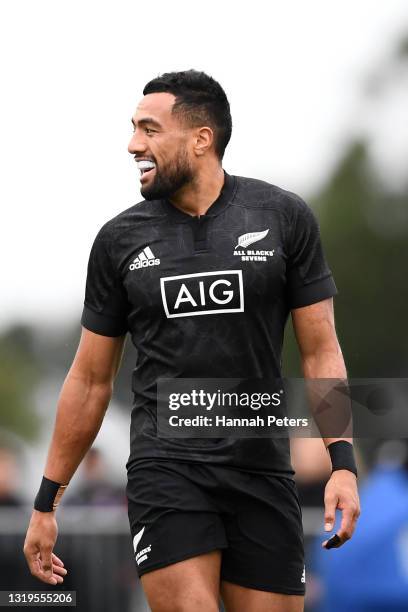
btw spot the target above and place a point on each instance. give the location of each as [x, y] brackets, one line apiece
[206, 297]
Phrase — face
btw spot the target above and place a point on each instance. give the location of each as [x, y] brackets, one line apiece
[161, 147]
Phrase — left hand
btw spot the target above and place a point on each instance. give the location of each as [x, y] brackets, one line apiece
[341, 492]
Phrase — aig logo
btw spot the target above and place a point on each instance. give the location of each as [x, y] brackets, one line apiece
[202, 293]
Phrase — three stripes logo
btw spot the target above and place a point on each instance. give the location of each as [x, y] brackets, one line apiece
[144, 260]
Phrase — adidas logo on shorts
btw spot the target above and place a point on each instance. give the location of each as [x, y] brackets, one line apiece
[144, 260]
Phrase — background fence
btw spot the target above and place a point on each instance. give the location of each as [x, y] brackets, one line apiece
[96, 548]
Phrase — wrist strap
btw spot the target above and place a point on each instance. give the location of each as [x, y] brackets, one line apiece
[342, 456]
[49, 495]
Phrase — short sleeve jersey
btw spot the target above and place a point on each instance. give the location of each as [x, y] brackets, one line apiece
[206, 297]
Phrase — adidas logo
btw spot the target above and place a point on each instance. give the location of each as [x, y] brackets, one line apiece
[144, 259]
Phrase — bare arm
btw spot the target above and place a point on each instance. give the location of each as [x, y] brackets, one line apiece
[82, 404]
[322, 358]
[318, 344]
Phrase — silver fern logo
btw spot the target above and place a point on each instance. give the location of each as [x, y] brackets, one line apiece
[142, 554]
[245, 240]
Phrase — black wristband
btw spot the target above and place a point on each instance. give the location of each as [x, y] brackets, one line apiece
[342, 456]
[49, 495]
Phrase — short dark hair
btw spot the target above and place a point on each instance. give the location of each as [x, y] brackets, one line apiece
[200, 100]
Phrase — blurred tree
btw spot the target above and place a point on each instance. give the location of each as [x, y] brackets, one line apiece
[366, 244]
[364, 232]
[19, 375]
[55, 350]
[364, 229]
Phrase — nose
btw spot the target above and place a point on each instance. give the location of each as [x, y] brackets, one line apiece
[136, 144]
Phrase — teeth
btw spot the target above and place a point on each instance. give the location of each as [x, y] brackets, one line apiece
[145, 165]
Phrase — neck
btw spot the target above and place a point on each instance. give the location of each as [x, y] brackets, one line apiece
[196, 197]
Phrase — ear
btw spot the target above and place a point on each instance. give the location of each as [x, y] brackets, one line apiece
[204, 138]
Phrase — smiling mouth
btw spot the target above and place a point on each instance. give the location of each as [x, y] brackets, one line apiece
[145, 166]
[146, 171]
[145, 174]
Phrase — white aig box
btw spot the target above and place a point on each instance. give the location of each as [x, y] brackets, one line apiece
[202, 293]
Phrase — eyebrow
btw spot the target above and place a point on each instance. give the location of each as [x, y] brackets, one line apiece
[146, 120]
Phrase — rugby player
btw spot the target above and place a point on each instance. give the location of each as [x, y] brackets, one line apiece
[203, 274]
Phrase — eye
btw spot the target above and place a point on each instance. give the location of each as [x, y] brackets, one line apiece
[149, 130]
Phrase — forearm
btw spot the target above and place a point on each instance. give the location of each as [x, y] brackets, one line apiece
[81, 408]
[82, 404]
[326, 363]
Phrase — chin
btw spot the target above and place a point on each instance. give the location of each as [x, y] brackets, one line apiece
[154, 192]
[147, 196]
[150, 194]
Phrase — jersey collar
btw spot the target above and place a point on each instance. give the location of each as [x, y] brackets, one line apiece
[224, 199]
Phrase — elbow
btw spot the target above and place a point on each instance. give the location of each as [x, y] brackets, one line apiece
[89, 393]
[96, 379]
[325, 361]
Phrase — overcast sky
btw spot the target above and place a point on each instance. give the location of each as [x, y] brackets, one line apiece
[73, 73]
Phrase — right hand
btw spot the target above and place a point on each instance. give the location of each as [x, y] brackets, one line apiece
[38, 546]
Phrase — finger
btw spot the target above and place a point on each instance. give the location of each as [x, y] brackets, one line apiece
[46, 562]
[57, 569]
[40, 574]
[330, 504]
[345, 532]
[56, 560]
[34, 564]
[333, 542]
[49, 578]
[347, 526]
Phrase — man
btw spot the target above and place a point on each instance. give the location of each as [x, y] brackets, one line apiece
[217, 517]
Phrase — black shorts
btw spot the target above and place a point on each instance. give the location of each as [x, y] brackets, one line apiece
[181, 510]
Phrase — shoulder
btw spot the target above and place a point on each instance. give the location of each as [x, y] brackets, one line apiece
[256, 193]
[144, 212]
